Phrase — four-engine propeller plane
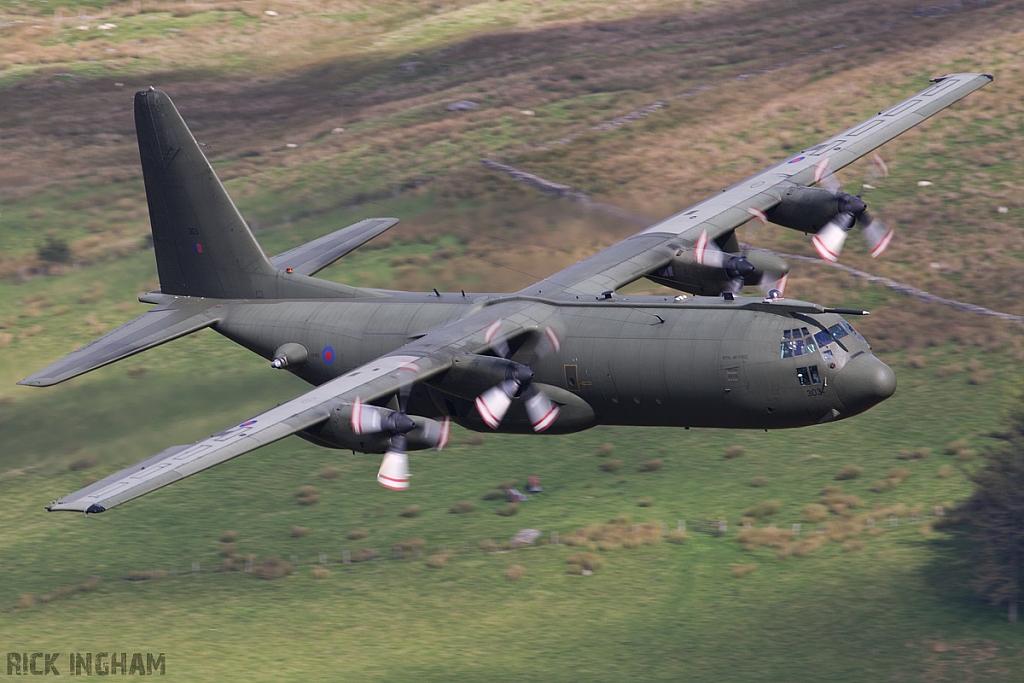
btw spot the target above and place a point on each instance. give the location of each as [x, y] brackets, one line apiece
[391, 369]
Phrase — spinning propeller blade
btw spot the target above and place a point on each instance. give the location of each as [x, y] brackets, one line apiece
[852, 211]
[493, 404]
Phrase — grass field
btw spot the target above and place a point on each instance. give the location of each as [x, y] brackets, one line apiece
[859, 599]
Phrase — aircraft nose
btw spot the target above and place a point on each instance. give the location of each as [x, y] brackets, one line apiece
[864, 381]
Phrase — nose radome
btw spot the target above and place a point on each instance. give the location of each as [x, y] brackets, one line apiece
[864, 382]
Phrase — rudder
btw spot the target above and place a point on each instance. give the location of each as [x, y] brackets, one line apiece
[203, 246]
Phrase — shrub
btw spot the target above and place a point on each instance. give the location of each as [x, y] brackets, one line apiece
[848, 472]
[758, 482]
[645, 502]
[82, 463]
[26, 601]
[412, 545]
[611, 465]
[846, 500]
[605, 450]
[830, 489]
[508, 510]
[320, 572]
[365, 555]
[54, 250]
[586, 561]
[914, 453]
[330, 473]
[650, 466]
[853, 546]
[769, 537]
[411, 511]
[507, 484]
[815, 513]
[677, 537]
[306, 495]
[733, 452]
[515, 572]
[945, 472]
[954, 447]
[462, 507]
[606, 546]
[437, 561]
[965, 455]
[300, 531]
[90, 584]
[358, 534]
[228, 564]
[228, 537]
[899, 474]
[741, 570]
[805, 546]
[227, 549]
[765, 508]
[883, 485]
[272, 567]
[489, 546]
[495, 494]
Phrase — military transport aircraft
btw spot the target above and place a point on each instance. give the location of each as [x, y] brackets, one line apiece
[392, 369]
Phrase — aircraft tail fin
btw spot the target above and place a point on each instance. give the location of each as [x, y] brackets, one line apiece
[203, 246]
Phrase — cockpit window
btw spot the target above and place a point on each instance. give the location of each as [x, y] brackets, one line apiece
[797, 342]
[808, 376]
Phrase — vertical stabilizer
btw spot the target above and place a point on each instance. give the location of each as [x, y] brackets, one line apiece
[203, 246]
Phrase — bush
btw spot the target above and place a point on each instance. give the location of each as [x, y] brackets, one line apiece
[883, 485]
[586, 561]
[411, 511]
[899, 474]
[945, 472]
[765, 508]
[462, 507]
[914, 453]
[437, 561]
[358, 534]
[677, 537]
[508, 510]
[741, 570]
[847, 473]
[515, 572]
[365, 555]
[645, 502]
[330, 473]
[769, 537]
[26, 601]
[54, 250]
[853, 546]
[758, 482]
[815, 513]
[489, 546]
[954, 447]
[228, 537]
[272, 567]
[845, 500]
[300, 531]
[611, 465]
[320, 572]
[306, 495]
[650, 466]
[227, 549]
[412, 545]
[605, 450]
[733, 452]
[495, 494]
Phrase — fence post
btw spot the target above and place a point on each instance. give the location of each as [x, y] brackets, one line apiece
[195, 569]
[554, 538]
[681, 525]
[346, 557]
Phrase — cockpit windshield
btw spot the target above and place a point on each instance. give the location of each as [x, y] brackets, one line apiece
[800, 341]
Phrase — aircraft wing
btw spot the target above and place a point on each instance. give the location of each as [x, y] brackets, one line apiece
[430, 355]
[653, 248]
[320, 253]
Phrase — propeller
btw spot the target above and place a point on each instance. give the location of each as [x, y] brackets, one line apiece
[830, 238]
[736, 267]
[494, 403]
[396, 424]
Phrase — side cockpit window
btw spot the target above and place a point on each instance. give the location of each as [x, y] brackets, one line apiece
[808, 376]
[797, 342]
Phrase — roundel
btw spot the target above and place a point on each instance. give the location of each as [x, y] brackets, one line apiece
[328, 355]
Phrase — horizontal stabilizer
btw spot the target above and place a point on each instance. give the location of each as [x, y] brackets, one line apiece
[320, 253]
[155, 327]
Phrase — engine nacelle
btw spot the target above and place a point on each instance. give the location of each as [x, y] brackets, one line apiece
[686, 274]
[808, 209]
[337, 432]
